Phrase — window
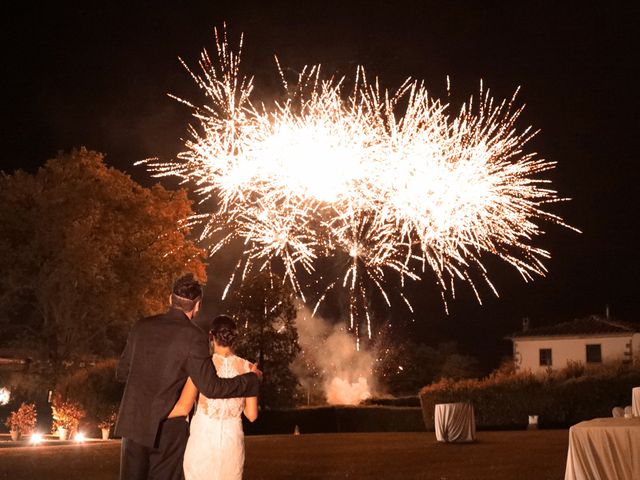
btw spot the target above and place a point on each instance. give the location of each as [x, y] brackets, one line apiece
[594, 353]
[545, 357]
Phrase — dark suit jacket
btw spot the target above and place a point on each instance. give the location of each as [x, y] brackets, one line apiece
[161, 352]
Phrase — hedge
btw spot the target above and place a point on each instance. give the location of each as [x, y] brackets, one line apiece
[333, 419]
[504, 401]
[407, 401]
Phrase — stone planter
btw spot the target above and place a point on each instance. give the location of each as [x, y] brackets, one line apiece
[15, 435]
[63, 433]
[105, 433]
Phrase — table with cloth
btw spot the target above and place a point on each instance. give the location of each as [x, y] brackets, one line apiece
[604, 448]
[455, 422]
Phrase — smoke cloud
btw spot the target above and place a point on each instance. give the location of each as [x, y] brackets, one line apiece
[330, 364]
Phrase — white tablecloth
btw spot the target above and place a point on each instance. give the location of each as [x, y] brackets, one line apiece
[455, 422]
[604, 449]
[635, 401]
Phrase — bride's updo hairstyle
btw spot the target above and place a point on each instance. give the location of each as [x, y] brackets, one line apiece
[224, 330]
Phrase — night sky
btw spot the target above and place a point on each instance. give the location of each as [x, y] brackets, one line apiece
[98, 76]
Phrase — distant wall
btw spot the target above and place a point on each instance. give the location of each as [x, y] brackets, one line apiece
[564, 350]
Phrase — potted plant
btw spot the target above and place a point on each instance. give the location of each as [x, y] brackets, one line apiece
[106, 422]
[22, 421]
[66, 417]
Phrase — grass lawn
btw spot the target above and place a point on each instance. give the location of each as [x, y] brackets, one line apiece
[521, 455]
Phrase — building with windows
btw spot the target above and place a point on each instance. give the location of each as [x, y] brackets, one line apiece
[592, 340]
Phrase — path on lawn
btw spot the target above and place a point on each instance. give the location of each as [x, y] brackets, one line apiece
[522, 455]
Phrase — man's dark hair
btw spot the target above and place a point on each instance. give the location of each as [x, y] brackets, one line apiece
[186, 293]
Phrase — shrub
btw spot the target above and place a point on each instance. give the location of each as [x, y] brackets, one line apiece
[24, 419]
[26, 387]
[95, 389]
[107, 419]
[66, 414]
[504, 400]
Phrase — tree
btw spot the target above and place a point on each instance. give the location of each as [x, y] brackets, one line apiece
[457, 367]
[85, 251]
[94, 388]
[403, 367]
[264, 308]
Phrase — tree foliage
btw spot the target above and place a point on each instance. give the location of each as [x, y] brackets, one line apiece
[94, 388]
[85, 251]
[404, 367]
[264, 308]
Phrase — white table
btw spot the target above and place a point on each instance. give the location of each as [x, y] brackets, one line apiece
[603, 449]
[635, 401]
[455, 422]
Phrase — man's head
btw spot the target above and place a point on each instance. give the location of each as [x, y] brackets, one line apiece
[186, 294]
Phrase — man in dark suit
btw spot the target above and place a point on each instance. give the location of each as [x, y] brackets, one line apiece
[161, 352]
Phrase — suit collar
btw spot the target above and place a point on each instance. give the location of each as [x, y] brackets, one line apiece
[177, 314]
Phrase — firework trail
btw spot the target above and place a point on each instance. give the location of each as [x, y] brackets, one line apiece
[392, 181]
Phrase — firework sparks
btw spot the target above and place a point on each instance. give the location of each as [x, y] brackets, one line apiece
[394, 190]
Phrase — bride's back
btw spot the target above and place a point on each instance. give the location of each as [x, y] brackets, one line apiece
[224, 408]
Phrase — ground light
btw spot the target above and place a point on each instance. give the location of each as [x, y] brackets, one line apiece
[5, 395]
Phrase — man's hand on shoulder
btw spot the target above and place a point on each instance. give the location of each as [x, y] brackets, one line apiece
[256, 370]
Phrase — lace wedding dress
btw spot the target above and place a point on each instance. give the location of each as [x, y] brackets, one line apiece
[215, 450]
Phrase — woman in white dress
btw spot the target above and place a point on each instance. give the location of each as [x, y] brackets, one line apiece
[215, 449]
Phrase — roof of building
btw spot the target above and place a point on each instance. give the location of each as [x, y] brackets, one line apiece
[591, 325]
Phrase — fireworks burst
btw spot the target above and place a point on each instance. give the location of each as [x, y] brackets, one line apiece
[390, 181]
